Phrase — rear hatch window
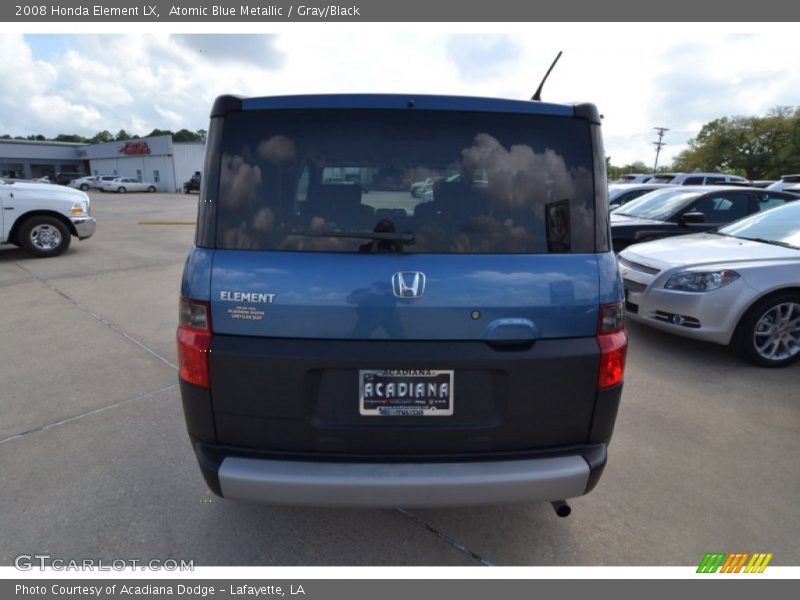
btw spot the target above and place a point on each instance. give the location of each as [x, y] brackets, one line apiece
[421, 181]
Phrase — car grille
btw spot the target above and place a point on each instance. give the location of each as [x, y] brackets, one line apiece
[633, 286]
[682, 320]
[638, 267]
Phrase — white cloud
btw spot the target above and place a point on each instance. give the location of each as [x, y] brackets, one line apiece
[481, 57]
[55, 111]
[639, 75]
[252, 49]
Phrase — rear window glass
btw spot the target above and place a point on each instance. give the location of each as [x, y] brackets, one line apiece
[405, 181]
[660, 205]
[662, 178]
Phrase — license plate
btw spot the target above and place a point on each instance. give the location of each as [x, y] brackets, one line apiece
[405, 393]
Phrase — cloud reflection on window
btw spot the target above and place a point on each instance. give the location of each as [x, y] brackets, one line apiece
[277, 149]
[241, 182]
[522, 180]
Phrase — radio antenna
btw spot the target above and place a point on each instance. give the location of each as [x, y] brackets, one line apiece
[538, 95]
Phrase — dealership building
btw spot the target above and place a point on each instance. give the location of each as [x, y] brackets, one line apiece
[157, 159]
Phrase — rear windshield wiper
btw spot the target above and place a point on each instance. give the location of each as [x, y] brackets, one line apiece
[773, 242]
[406, 238]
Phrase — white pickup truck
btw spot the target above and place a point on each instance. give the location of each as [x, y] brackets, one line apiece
[42, 218]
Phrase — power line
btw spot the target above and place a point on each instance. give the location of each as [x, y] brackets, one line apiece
[659, 144]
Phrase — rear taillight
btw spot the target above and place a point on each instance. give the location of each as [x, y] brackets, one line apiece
[613, 343]
[194, 342]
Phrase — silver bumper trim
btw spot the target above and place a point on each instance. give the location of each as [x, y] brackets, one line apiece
[85, 226]
[389, 485]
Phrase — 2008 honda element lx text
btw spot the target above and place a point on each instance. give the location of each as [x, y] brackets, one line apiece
[344, 341]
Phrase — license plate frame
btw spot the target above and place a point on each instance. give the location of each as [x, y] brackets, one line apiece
[406, 398]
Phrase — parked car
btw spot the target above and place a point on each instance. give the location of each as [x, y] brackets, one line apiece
[42, 218]
[620, 194]
[697, 178]
[419, 187]
[336, 353]
[127, 184]
[683, 210]
[193, 185]
[634, 178]
[83, 183]
[97, 184]
[785, 182]
[738, 285]
[429, 194]
[65, 177]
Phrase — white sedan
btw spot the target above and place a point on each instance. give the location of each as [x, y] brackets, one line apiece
[83, 183]
[738, 285]
[127, 184]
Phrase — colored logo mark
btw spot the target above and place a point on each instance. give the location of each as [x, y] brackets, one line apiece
[734, 563]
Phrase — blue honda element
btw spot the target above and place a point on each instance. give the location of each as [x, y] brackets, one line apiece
[401, 301]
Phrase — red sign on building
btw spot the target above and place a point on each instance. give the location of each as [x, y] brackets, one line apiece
[134, 148]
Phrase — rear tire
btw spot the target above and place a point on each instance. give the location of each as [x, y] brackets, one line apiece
[84, 187]
[44, 236]
[121, 190]
[768, 335]
[151, 189]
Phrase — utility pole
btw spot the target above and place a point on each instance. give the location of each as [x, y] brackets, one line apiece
[659, 144]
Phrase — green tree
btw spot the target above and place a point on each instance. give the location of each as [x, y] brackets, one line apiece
[102, 137]
[122, 135]
[758, 147]
[157, 132]
[614, 172]
[72, 137]
[184, 135]
[636, 166]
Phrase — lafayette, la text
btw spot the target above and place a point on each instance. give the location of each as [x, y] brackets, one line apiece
[150, 589]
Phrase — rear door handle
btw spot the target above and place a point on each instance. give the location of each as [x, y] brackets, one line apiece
[511, 345]
[511, 334]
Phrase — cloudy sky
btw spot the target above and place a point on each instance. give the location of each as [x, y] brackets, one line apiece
[640, 75]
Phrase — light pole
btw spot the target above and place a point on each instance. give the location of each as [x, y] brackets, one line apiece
[659, 144]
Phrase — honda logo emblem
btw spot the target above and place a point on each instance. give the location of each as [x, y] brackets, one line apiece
[408, 284]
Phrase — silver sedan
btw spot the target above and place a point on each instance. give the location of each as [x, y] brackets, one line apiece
[739, 285]
[127, 184]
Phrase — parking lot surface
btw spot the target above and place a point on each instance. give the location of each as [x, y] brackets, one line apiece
[95, 461]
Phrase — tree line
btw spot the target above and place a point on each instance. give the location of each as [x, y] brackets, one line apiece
[184, 135]
[756, 147]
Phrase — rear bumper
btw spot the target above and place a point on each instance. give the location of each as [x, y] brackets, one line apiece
[278, 481]
[402, 485]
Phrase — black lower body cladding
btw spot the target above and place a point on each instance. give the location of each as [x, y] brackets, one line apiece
[303, 396]
[297, 400]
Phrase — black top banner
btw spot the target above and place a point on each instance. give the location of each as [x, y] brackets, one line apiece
[466, 11]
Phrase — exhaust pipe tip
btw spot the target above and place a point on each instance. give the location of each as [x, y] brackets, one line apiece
[562, 508]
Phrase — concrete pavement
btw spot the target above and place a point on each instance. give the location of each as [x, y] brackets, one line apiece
[95, 461]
